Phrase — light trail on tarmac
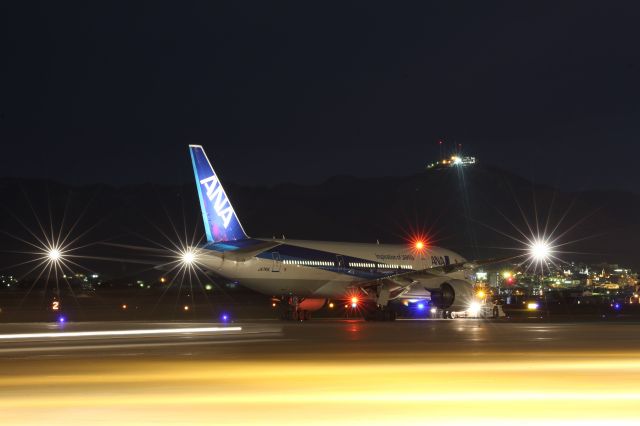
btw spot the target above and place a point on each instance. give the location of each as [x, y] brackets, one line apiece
[114, 333]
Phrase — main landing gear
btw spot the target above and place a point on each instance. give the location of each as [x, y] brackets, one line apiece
[296, 315]
[291, 310]
[382, 311]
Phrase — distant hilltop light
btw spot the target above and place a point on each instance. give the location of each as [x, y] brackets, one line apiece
[453, 161]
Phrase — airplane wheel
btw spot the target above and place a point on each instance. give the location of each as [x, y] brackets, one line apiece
[392, 315]
[287, 316]
[388, 314]
[445, 314]
[453, 315]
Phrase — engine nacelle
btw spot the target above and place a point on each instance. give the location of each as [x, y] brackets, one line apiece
[311, 304]
[454, 295]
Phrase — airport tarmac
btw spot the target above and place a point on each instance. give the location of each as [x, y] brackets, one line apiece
[319, 372]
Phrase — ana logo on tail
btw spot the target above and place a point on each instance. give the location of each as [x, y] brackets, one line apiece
[219, 220]
[216, 195]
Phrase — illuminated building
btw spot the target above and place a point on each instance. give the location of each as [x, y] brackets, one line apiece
[453, 161]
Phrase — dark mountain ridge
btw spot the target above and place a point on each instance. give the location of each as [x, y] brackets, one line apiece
[474, 210]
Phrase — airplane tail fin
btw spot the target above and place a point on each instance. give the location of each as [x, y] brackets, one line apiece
[220, 220]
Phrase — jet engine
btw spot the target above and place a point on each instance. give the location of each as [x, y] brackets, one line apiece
[453, 295]
[311, 304]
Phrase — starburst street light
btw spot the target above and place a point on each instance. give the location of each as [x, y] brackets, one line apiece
[188, 256]
[54, 254]
[540, 250]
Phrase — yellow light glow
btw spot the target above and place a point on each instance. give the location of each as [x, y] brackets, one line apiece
[419, 245]
[331, 305]
[124, 306]
[567, 388]
[186, 307]
[532, 306]
[480, 294]
[506, 275]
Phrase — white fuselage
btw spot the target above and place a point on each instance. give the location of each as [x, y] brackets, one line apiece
[326, 269]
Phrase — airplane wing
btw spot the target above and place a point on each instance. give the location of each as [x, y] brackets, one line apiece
[406, 278]
[238, 253]
[241, 254]
[137, 248]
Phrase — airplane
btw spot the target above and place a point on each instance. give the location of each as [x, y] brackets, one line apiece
[304, 275]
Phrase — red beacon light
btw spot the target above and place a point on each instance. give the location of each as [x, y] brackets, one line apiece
[419, 245]
[354, 302]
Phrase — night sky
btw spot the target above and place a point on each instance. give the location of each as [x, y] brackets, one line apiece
[299, 91]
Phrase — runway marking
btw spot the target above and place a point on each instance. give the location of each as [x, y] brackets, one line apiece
[117, 332]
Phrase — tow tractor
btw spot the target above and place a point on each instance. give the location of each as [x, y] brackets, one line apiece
[480, 307]
[480, 310]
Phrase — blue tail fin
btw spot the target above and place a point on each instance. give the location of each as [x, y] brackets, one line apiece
[220, 221]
